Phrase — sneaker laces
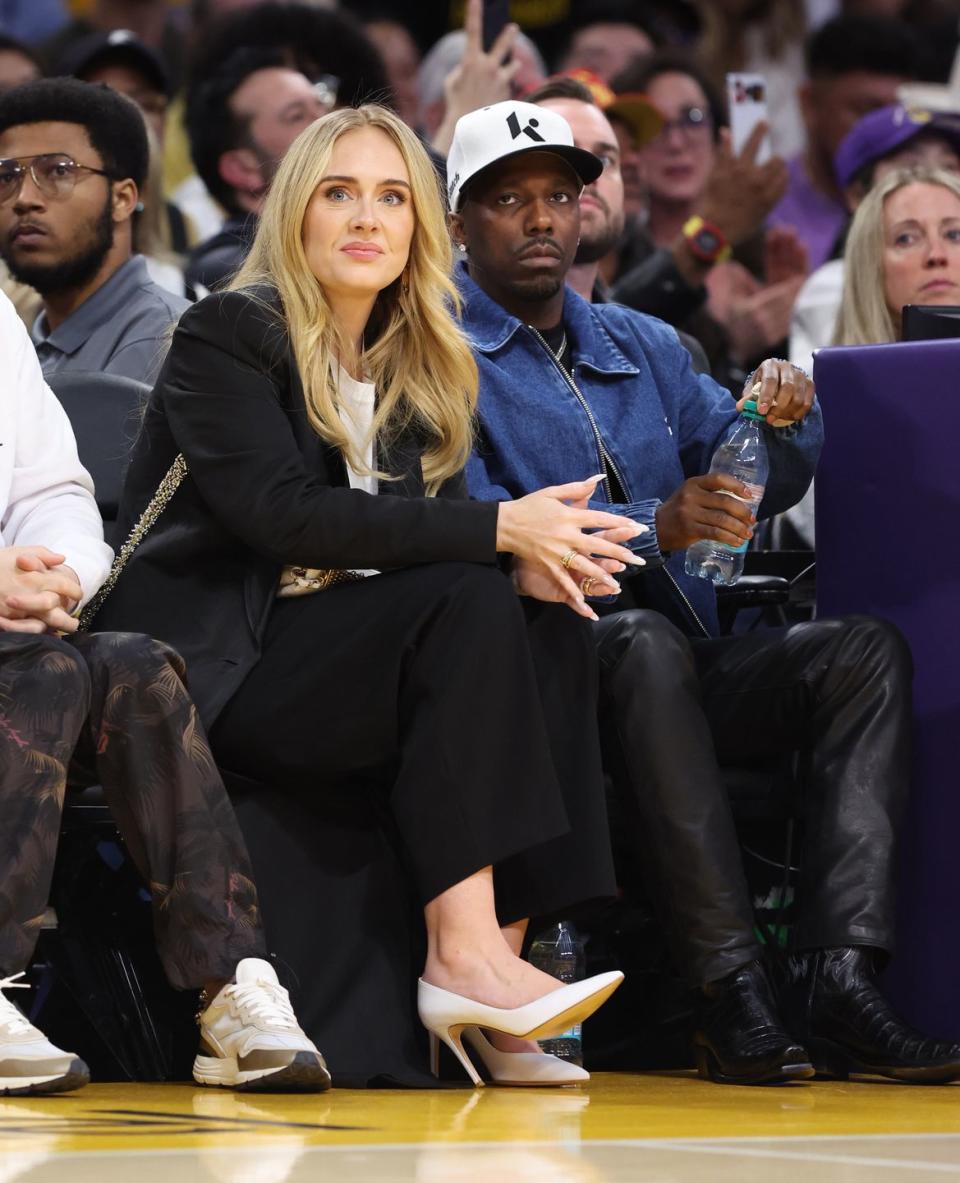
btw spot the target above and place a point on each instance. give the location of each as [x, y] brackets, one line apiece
[264, 1000]
[11, 1019]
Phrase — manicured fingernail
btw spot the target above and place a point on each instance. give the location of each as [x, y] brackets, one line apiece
[636, 561]
[640, 529]
[594, 617]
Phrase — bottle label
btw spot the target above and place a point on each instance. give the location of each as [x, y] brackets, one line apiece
[756, 494]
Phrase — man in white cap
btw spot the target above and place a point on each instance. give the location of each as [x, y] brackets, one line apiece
[567, 386]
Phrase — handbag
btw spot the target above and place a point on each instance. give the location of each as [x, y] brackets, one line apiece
[293, 581]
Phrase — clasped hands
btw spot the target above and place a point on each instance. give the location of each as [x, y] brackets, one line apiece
[555, 558]
[702, 507]
[38, 591]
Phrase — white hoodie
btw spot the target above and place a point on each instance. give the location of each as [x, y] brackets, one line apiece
[46, 495]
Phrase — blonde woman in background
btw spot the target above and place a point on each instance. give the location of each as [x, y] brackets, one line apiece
[903, 248]
[348, 630]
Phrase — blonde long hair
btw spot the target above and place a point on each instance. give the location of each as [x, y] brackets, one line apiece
[864, 317]
[423, 370]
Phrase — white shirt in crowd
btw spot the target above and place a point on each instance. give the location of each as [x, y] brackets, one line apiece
[812, 327]
[814, 318]
[46, 495]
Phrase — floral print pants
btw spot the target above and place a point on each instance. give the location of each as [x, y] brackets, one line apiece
[112, 709]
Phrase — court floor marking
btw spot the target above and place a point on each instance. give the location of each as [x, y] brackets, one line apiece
[839, 1159]
[731, 1147]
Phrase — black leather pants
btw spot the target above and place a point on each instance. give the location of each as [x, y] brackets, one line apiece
[837, 691]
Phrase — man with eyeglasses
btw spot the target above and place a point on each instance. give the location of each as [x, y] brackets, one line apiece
[73, 159]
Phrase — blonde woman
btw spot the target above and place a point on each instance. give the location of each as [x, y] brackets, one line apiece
[324, 410]
[903, 248]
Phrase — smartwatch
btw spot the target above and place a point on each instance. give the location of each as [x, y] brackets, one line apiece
[707, 242]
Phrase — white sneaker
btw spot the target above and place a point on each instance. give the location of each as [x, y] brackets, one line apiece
[250, 1038]
[29, 1063]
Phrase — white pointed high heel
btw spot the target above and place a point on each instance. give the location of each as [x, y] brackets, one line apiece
[519, 1068]
[445, 1015]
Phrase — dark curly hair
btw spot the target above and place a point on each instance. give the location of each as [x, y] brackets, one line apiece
[212, 127]
[876, 45]
[315, 41]
[112, 122]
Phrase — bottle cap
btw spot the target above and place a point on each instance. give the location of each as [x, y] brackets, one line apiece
[750, 410]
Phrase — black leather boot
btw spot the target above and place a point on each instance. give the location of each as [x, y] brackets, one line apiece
[831, 1001]
[740, 1038]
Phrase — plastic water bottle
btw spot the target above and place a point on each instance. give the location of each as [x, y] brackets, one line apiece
[743, 454]
[559, 952]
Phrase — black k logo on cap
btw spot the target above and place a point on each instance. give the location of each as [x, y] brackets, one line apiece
[513, 123]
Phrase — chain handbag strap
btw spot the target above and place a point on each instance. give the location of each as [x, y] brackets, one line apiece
[147, 520]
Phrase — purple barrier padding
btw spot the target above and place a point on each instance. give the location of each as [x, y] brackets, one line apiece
[888, 544]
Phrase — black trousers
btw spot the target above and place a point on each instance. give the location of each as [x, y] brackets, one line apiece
[111, 708]
[472, 710]
[836, 691]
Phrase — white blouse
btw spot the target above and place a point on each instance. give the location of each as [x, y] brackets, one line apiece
[356, 406]
[356, 400]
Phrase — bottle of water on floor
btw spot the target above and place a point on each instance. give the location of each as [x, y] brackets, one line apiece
[559, 952]
[743, 454]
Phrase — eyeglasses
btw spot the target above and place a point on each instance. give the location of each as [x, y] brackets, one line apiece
[53, 173]
[689, 121]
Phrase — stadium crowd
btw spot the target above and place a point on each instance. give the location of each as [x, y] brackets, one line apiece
[430, 338]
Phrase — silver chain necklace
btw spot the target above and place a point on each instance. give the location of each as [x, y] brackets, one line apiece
[557, 353]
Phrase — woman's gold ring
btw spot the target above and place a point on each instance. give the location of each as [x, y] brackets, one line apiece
[568, 559]
[587, 583]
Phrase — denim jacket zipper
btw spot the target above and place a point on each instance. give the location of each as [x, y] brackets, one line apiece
[601, 447]
[608, 461]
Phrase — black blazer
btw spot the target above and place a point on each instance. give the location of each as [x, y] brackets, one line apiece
[263, 491]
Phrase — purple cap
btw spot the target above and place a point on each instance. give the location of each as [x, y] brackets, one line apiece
[884, 131]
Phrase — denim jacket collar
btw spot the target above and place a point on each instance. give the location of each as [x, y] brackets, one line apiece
[490, 327]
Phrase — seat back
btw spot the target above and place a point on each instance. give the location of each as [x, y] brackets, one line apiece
[105, 411]
[888, 500]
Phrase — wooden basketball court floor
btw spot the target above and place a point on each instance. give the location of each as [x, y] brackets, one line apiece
[648, 1128]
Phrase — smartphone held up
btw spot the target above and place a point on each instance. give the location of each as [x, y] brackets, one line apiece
[747, 105]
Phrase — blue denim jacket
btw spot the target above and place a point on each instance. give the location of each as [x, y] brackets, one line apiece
[659, 422]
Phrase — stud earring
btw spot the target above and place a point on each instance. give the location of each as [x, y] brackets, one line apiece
[462, 247]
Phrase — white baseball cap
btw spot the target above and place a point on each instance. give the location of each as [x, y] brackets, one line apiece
[491, 134]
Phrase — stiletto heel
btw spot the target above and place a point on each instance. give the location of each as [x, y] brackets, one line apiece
[446, 1014]
[452, 1038]
[434, 1053]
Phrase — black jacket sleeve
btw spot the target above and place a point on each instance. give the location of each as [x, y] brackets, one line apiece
[655, 286]
[222, 388]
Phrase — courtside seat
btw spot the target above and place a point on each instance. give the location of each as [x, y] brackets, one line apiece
[105, 411]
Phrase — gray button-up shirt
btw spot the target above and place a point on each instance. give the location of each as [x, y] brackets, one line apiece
[120, 329]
